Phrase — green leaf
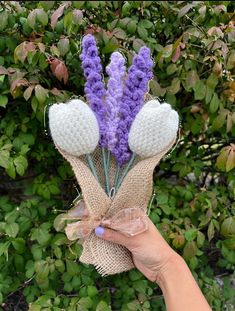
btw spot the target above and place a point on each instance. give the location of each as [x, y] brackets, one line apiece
[230, 164]
[199, 90]
[60, 222]
[4, 248]
[119, 33]
[174, 87]
[42, 269]
[102, 306]
[42, 17]
[191, 234]
[210, 231]
[72, 267]
[4, 158]
[21, 164]
[12, 229]
[156, 89]
[3, 20]
[131, 27]
[190, 250]
[84, 303]
[231, 60]
[63, 46]
[137, 44]
[143, 33]
[41, 94]
[214, 104]
[3, 101]
[228, 227]
[19, 245]
[145, 23]
[11, 171]
[92, 291]
[200, 238]
[222, 159]
[212, 81]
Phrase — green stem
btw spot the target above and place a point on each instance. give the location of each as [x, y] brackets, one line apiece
[126, 170]
[105, 170]
[116, 176]
[107, 167]
[92, 166]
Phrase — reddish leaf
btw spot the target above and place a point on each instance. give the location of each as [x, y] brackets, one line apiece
[16, 84]
[61, 72]
[59, 69]
[230, 164]
[28, 92]
[77, 16]
[176, 55]
[41, 47]
[59, 12]
[55, 91]
[21, 51]
[3, 71]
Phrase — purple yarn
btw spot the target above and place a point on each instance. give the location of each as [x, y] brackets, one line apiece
[94, 86]
[116, 71]
[136, 85]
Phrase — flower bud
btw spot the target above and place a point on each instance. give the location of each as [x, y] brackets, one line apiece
[153, 129]
[74, 127]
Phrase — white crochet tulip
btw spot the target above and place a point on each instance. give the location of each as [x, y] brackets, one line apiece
[153, 129]
[74, 127]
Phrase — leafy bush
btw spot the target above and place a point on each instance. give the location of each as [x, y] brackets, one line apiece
[193, 45]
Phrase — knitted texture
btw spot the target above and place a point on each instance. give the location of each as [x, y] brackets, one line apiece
[153, 129]
[74, 127]
[135, 191]
[116, 71]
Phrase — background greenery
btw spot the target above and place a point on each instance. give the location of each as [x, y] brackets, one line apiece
[193, 45]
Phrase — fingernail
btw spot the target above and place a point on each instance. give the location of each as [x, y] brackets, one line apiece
[99, 231]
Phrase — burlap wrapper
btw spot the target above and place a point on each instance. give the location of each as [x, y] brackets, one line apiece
[135, 191]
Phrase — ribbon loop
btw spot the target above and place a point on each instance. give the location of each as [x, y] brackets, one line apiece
[129, 221]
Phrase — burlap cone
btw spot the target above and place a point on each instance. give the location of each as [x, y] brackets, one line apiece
[135, 191]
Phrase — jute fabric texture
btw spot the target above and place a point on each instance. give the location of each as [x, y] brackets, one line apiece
[135, 191]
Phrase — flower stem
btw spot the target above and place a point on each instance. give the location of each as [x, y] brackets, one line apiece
[92, 166]
[105, 170]
[128, 167]
[108, 164]
[116, 176]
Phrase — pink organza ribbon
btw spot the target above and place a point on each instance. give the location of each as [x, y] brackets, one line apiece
[129, 221]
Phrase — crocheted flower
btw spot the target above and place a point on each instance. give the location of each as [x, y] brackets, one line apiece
[116, 71]
[74, 127]
[94, 86]
[136, 85]
[153, 129]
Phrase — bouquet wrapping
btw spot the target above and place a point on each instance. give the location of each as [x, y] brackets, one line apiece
[113, 144]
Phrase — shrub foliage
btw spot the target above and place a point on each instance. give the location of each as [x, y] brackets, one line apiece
[193, 45]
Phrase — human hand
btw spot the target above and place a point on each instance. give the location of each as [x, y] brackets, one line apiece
[150, 252]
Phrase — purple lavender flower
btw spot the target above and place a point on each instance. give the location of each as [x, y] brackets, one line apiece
[94, 86]
[136, 85]
[116, 71]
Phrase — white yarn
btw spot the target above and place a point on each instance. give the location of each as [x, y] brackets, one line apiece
[74, 127]
[153, 129]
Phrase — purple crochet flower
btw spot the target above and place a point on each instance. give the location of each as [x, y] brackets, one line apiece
[136, 85]
[116, 71]
[94, 86]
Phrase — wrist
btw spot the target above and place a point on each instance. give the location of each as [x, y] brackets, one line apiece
[174, 266]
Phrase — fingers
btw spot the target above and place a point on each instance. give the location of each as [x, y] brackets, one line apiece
[112, 236]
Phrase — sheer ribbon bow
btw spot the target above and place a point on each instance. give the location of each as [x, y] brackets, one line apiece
[129, 221]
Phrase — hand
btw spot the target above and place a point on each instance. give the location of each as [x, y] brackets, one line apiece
[151, 253]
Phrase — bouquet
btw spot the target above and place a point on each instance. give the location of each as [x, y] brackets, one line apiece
[113, 142]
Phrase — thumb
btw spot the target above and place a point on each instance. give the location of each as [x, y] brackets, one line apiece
[112, 236]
